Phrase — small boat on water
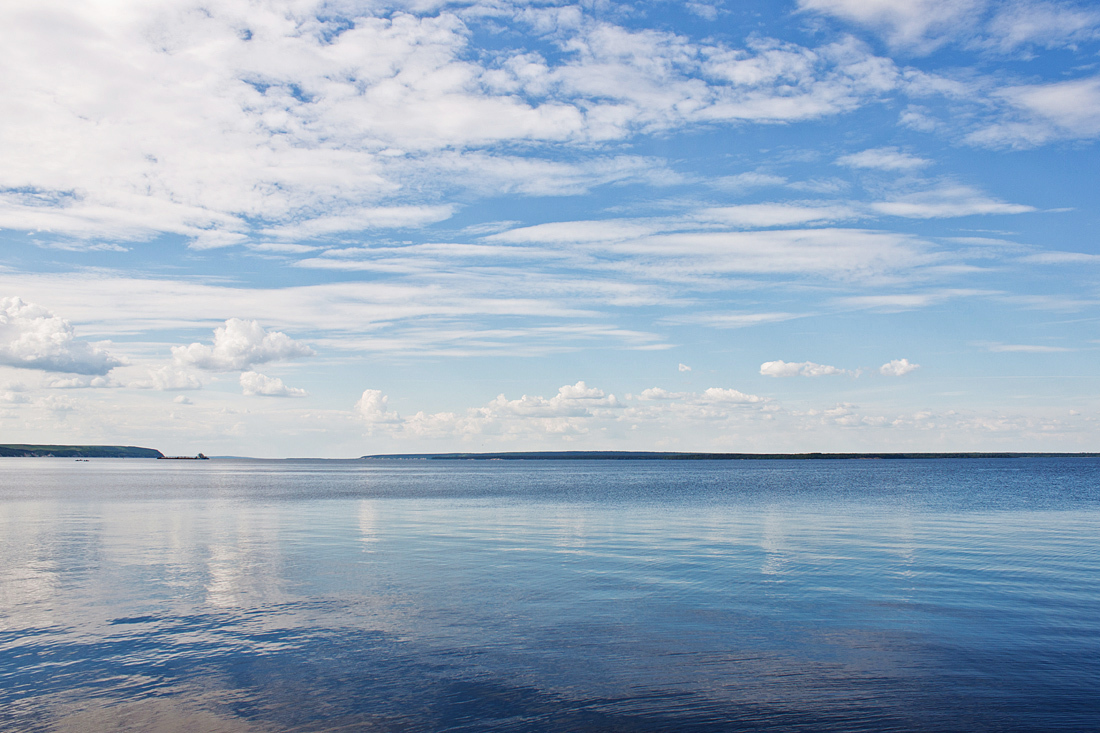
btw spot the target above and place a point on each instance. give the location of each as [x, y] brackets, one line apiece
[199, 457]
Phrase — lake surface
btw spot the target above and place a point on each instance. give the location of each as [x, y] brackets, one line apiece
[909, 595]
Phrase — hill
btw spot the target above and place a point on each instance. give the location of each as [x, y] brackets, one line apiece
[78, 451]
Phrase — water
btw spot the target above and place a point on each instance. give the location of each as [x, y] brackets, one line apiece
[946, 595]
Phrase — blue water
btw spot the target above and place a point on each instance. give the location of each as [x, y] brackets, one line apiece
[939, 595]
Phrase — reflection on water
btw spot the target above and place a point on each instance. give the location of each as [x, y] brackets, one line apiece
[307, 596]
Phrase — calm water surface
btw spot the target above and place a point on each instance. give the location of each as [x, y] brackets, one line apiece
[948, 595]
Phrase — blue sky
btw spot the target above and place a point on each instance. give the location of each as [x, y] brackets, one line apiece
[332, 229]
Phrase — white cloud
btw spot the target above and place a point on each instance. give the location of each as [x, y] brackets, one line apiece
[456, 312]
[897, 368]
[371, 408]
[916, 25]
[884, 159]
[745, 181]
[240, 344]
[660, 393]
[79, 382]
[711, 395]
[33, 338]
[947, 201]
[707, 12]
[1062, 258]
[572, 400]
[580, 391]
[282, 248]
[563, 415]
[684, 368]
[1046, 24]
[1025, 348]
[736, 320]
[13, 395]
[167, 378]
[1041, 113]
[576, 232]
[840, 253]
[234, 122]
[182, 400]
[898, 302]
[254, 383]
[799, 369]
[720, 394]
[750, 216]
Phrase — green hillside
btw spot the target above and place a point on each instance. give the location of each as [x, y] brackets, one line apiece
[78, 451]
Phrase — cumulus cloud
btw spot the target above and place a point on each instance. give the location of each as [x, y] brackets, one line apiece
[580, 391]
[708, 396]
[660, 393]
[240, 344]
[33, 338]
[572, 400]
[254, 383]
[799, 369]
[167, 378]
[719, 394]
[371, 408]
[12, 394]
[565, 414]
[182, 400]
[897, 368]
[79, 382]
[684, 368]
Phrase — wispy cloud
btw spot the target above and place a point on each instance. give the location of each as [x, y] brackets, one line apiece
[1039, 113]
[999, 348]
[885, 159]
[947, 201]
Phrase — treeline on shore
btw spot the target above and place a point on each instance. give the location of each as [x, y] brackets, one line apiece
[77, 451]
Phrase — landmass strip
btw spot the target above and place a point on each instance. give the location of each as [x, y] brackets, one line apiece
[78, 451]
[582, 455]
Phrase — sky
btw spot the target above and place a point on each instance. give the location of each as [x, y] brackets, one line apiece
[332, 229]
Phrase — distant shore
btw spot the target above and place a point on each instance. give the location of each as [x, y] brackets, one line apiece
[129, 451]
[19, 450]
[690, 456]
